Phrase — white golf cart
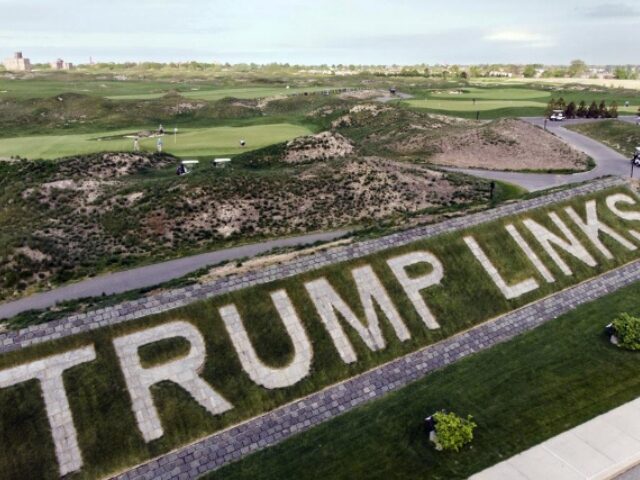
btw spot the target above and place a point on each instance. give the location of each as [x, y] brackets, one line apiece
[557, 116]
[636, 157]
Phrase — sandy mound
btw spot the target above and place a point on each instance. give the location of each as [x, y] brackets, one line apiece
[322, 146]
[363, 94]
[501, 145]
[108, 166]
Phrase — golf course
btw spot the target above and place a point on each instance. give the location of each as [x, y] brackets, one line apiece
[220, 93]
[500, 101]
[196, 142]
[140, 90]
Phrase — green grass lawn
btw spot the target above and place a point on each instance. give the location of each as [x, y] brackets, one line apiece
[138, 89]
[219, 93]
[492, 94]
[621, 136]
[497, 102]
[107, 431]
[48, 87]
[197, 142]
[520, 393]
[469, 106]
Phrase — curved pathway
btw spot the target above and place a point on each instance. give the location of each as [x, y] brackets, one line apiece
[608, 161]
[151, 275]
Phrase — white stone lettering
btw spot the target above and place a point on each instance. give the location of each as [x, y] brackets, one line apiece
[509, 291]
[547, 238]
[592, 227]
[413, 286]
[182, 371]
[371, 290]
[613, 200]
[531, 255]
[49, 371]
[260, 373]
[328, 302]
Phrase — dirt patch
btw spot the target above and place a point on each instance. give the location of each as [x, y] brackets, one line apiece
[363, 94]
[32, 254]
[264, 102]
[258, 263]
[323, 146]
[187, 107]
[359, 114]
[82, 192]
[501, 145]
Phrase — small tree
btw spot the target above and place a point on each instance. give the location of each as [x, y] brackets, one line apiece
[453, 432]
[577, 68]
[627, 330]
[570, 111]
[561, 104]
[602, 109]
[613, 110]
[582, 110]
[529, 71]
[593, 110]
[550, 107]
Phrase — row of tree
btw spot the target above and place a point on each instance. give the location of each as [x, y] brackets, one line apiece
[581, 110]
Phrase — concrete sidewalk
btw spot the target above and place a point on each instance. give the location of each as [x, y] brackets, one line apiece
[603, 448]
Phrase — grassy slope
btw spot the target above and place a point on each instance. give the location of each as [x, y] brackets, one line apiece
[220, 93]
[137, 89]
[497, 102]
[100, 403]
[198, 142]
[621, 136]
[520, 393]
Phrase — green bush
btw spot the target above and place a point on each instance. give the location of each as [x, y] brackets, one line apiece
[453, 432]
[627, 330]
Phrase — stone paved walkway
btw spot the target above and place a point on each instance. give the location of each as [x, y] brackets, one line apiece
[273, 427]
[599, 449]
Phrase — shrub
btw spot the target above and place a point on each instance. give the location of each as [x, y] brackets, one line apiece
[453, 431]
[627, 330]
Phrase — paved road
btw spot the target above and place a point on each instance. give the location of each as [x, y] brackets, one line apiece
[151, 275]
[608, 161]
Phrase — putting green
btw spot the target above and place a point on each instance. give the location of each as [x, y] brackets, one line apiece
[197, 142]
[217, 94]
[469, 106]
[492, 94]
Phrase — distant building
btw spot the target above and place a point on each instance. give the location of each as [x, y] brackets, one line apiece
[60, 64]
[17, 63]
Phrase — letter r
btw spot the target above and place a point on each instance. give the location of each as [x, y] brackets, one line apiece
[183, 371]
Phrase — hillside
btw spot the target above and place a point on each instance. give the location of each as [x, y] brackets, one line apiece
[66, 219]
[505, 144]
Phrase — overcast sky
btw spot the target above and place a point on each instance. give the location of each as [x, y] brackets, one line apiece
[324, 31]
